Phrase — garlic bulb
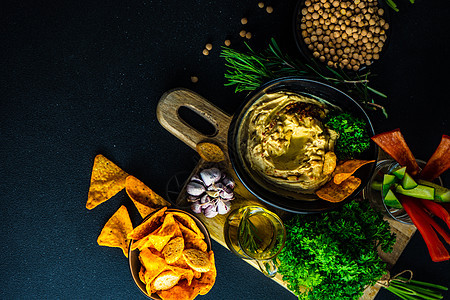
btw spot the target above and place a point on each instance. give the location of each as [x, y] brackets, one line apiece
[210, 192]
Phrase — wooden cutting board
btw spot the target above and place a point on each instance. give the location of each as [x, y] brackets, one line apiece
[169, 117]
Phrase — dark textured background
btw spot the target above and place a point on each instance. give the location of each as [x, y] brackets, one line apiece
[79, 78]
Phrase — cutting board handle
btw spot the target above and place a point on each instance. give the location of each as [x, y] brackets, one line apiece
[168, 116]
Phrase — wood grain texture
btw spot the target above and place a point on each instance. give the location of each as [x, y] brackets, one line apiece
[167, 113]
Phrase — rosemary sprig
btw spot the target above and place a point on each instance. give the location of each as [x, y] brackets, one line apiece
[247, 71]
[249, 235]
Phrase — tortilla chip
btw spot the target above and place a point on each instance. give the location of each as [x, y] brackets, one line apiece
[188, 222]
[329, 163]
[338, 192]
[144, 198]
[147, 226]
[162, 236]
[192, 239]
[198, 260]
[182, 291]
[210, 152]
[185, 273]
[173, 250]
[181, 263]
[115, 231]
[153, 263]
[141, 244]
[107, 179]
[208, 279]
[348, 168]
[142, 274]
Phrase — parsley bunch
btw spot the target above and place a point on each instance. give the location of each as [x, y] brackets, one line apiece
[353, 137]
[334, 255]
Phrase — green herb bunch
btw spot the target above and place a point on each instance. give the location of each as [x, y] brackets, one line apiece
[334, 255]
[353, 137]
[247, 71]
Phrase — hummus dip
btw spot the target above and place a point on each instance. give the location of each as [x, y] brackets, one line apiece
[288, 144]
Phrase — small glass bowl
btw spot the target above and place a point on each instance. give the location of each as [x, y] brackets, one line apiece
[375, 197]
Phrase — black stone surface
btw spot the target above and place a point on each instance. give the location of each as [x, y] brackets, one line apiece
[80, 78]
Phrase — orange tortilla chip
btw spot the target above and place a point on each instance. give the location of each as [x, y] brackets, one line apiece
[147, 226]
[107, 179]
[207, 279]
[338, 192]
[115, 231]
[144, 198]
[192, 239]
[153, 264]
[182, 291]
[142, 274]
[188, 222]
[346, 169]
[162, 236]
[141, 244]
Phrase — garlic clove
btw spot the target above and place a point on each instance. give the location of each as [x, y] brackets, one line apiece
[205, 199]
[196, 207]
[213, 194]
[228, 195]
[229, 182]
[195, 189]
[191, 198]
[196, 178]
[210, 211]
[223, 207]
[210, 176]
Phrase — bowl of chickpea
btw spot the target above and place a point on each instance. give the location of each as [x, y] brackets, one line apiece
[348, 35]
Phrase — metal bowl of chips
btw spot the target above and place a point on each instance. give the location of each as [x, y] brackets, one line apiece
[293, 201]
[188, 221]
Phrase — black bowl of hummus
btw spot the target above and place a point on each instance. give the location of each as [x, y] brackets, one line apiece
[281, 150]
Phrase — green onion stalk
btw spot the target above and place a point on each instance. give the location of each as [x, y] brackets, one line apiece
[409, 289]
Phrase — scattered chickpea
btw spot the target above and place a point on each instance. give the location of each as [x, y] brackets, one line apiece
[208, 46]
[205, 52]
[269, 9]
[244, 21]
[261, 4]
[248, 35]
[227, 43]
[242, 33]
[194, 79]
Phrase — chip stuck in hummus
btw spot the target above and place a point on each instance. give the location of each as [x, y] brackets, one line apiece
[287, 143]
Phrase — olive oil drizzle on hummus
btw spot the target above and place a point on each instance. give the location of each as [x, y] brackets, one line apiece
[287, 142]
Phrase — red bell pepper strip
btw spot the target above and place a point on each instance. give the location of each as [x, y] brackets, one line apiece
[446, 206]
[418, 216]
[439, 162]
[394, 144]
[437, 209]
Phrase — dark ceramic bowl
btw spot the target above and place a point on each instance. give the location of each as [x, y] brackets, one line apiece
[271, 194]
[308, 54]
[133, 256]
